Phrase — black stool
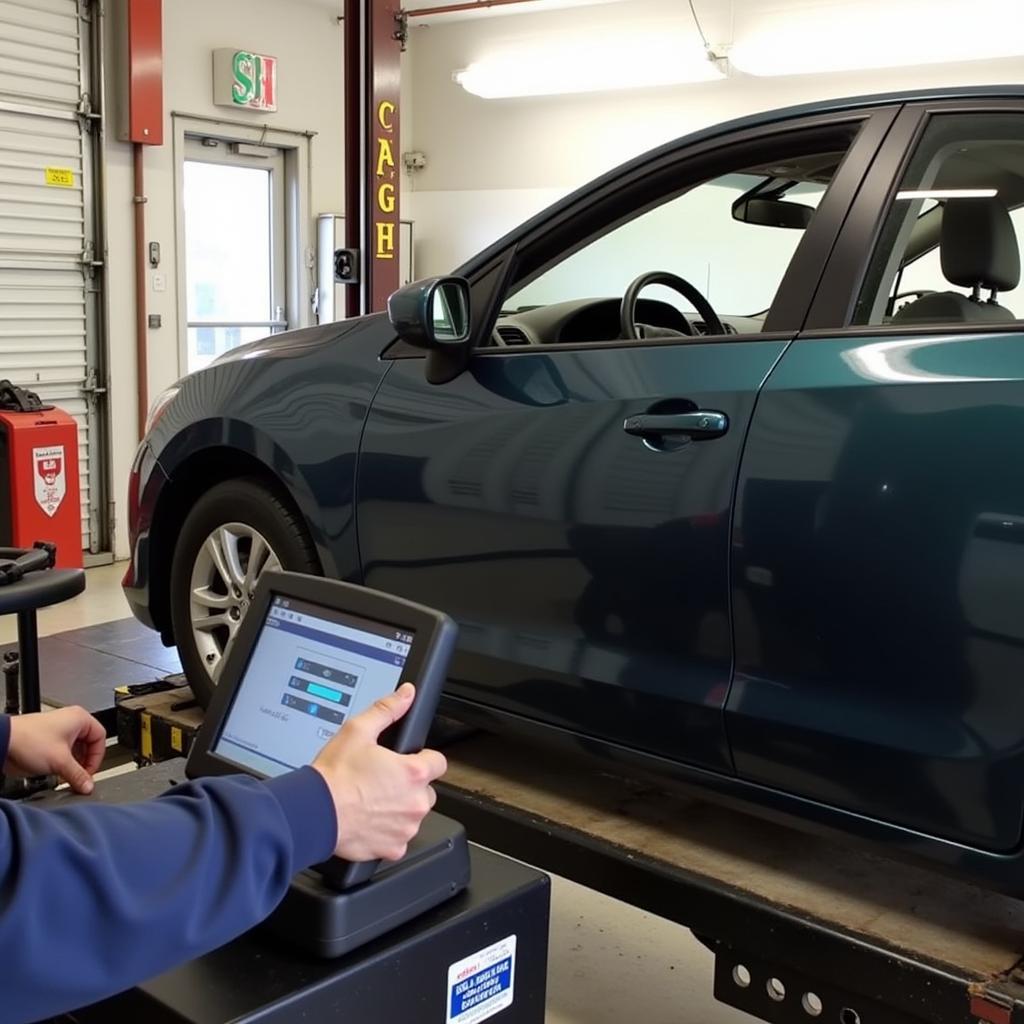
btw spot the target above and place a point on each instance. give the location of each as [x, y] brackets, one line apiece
[24, 598]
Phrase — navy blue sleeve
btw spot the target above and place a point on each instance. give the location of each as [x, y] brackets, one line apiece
[96, 898]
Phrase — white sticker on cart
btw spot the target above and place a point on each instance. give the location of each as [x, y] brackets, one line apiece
[482, 985]
[50, 476]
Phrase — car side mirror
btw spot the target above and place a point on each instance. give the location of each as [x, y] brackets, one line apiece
[772, 213]
[433, 314]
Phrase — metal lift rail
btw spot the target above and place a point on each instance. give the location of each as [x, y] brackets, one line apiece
[802, 928]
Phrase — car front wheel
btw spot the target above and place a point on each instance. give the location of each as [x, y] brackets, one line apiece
[236, 532]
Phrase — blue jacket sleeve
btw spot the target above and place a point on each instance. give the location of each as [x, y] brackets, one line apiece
[117, 894]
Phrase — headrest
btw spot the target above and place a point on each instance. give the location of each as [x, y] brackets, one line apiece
[979, 245]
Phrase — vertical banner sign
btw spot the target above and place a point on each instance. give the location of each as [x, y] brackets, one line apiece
[385, 205]
[372, 149]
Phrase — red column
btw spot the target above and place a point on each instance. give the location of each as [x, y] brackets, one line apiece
[372, 156]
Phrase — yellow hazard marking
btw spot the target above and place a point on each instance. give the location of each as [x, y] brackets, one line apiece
[146, 744]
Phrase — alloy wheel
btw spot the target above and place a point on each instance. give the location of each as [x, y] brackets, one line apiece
[224, 577]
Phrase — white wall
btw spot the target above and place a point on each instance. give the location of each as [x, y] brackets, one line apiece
[306, 38]
[489, 158]
[451, 225]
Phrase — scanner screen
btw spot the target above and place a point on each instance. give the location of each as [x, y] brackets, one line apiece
[311, 668]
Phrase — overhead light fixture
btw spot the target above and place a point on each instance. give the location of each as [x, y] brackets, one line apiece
[948, 193]
[606, 63]
[865, 34]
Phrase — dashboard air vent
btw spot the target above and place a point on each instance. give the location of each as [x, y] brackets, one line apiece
[513, 336]
[702, 328]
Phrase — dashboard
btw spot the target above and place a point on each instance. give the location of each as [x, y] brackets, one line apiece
[589, 320]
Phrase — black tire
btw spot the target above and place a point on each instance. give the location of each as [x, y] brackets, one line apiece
[243, 501]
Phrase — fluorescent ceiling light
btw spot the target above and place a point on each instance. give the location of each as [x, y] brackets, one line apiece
[863, 34]
[549, 67]
[948, 193]
[481, 10]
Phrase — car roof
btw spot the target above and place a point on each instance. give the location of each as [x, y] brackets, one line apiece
[830, 106]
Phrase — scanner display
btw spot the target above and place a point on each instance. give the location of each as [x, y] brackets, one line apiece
[311, 668]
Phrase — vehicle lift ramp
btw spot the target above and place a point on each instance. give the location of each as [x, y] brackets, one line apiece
[802, 928]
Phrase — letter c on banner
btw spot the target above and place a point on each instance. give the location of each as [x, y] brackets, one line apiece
[385, 115]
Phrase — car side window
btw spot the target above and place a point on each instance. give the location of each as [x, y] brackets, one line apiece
[730, 238]
[950, 247]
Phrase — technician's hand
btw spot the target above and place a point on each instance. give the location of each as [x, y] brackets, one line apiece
[381, 797]
[68, 742]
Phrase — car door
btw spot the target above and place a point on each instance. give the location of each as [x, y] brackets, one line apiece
[878, 570]
[585, 551]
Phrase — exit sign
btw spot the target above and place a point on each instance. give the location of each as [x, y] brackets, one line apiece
[244, 80]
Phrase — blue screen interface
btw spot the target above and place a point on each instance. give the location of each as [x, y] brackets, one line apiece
[311, 668]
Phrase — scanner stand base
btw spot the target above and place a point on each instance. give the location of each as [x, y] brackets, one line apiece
[320, 920]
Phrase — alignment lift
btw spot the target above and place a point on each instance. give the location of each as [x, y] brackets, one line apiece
[802, 929]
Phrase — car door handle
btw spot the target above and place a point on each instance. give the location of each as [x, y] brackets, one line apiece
[700, 425]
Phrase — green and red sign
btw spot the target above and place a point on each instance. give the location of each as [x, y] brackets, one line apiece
[244, 79]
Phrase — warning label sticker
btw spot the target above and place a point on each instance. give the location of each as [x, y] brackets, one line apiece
[50, 477]
[61, 177]
[481, 985]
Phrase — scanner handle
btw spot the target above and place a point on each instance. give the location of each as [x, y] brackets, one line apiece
[411, 735]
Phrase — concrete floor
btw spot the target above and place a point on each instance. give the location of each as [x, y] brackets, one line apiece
[103, 601]
[609, 962]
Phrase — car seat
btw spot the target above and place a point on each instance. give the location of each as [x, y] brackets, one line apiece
[978, 248]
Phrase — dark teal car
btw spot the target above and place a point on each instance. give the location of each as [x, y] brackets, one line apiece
[719, 463]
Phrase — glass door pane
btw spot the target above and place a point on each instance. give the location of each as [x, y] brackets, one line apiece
[233, 253]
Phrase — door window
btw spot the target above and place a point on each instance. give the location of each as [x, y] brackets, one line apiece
[234, 247]
[731, 237]
[950, 246]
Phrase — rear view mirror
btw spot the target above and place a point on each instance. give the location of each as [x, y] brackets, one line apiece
[432, 314]
[772, 213]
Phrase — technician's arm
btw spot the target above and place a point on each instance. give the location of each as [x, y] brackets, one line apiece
[94, 899]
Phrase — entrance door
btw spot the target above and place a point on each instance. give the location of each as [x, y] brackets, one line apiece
[234, 219]
[49, 274]
[585, 554]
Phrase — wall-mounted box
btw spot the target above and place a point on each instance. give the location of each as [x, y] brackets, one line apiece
[330, 240]
[139, 71]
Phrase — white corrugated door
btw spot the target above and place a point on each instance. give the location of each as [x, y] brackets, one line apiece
[45, 216]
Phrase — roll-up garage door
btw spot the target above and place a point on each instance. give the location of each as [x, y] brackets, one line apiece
[48, 274]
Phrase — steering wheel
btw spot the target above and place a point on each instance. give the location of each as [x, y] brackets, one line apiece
[627, 311]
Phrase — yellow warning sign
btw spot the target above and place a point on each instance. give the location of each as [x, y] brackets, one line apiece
[62, 177]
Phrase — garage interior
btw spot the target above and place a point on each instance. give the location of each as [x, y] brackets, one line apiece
[178, 179]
